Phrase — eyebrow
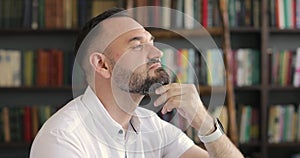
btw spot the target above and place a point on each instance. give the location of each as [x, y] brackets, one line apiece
[139, 38]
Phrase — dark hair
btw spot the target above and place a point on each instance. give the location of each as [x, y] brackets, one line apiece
[94, 22]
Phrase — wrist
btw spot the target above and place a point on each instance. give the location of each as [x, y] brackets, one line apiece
[214, 135]
[207, 126]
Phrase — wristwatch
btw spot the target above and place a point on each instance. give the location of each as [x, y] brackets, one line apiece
[215, 135]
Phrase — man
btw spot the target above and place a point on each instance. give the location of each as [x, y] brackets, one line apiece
[121, 66]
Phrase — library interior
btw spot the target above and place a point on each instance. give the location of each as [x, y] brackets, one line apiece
[233, 51]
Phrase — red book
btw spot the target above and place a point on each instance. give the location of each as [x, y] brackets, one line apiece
[52, 70]
[27, 125]
[277, 13]
[60, 67]
[204, 13]
[59, 21]
[42, 68]
[50, 12]
[294, 14]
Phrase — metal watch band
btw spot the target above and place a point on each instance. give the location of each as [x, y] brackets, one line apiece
[215, 135]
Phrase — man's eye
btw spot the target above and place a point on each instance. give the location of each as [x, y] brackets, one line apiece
[138, 47]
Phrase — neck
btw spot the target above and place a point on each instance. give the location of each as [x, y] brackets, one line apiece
[119, 104]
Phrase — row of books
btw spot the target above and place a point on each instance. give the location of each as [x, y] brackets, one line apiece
[21, 124]
[50, 14]
[190, 66]
[204, 12]
[187, 65]
[244, 13]
[284, 123]
[245, 66]
[53, 67]
[43, 67]
[285, 66]
[285, 14]
[248, 124]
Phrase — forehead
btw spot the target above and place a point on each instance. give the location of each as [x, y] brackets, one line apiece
[116, 27]
[135, 35]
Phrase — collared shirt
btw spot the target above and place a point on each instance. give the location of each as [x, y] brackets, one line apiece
[83, 128]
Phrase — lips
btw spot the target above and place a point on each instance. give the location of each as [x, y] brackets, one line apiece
[155, 65]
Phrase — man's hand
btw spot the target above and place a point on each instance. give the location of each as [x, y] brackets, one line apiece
[185, 98]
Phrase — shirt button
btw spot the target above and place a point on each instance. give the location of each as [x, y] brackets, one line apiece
[120, 131]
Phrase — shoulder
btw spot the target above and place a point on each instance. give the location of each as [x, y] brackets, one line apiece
[65, 119]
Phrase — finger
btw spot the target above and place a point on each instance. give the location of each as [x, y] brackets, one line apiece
[167, 95]
[167, 87]
[170, 105]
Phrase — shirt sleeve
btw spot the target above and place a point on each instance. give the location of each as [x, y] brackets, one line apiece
[178, 146]
[177, 141]
[54, 144]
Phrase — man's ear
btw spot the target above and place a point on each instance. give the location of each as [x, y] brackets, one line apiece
[100, 64]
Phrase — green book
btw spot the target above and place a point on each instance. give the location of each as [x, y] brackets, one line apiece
[41, 14]
[28, 68]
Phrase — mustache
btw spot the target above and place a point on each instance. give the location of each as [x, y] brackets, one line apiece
[153, 61]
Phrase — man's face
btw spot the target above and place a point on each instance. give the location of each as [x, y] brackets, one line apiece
[135, 62]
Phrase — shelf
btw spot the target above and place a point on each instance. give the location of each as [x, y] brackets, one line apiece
[245, 30]
[24, 96]
[284, 145]
[159, 33]
[14, 145]
[179, 33]
[206, 90]
[283, 88]
[36, 88]
[291, 31]
[250, 144]
[38, 31]
[248, 88]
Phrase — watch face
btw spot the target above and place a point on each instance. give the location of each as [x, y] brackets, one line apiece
[220, 125]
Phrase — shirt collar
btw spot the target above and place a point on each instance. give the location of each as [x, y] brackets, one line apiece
[102, 118]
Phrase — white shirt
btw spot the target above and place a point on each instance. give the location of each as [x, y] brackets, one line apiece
[83, 128]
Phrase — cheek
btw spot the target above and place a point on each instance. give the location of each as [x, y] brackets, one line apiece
[132, 61]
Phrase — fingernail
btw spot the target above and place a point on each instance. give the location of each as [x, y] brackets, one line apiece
[157, 91]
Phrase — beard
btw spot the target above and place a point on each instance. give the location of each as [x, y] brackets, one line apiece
[140, 82]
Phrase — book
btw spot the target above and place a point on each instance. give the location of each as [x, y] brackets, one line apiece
[296, 80]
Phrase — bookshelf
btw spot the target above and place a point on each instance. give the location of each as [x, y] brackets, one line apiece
[260, 96]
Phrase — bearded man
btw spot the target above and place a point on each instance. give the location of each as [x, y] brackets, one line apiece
[121, 65]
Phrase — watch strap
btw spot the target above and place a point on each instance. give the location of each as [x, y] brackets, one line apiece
[215, 135]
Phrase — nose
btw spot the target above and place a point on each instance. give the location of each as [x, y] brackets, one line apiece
[154, 52]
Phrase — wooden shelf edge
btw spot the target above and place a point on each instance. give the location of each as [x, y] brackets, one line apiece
[160, 33]
[254, 87]
[285, 88]
[37, 31]
[14, 145]
[245, 30]
[285, 144]
[37, 88]
[250, 144]
[206, 90]
[277, 30]
[179, 33]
